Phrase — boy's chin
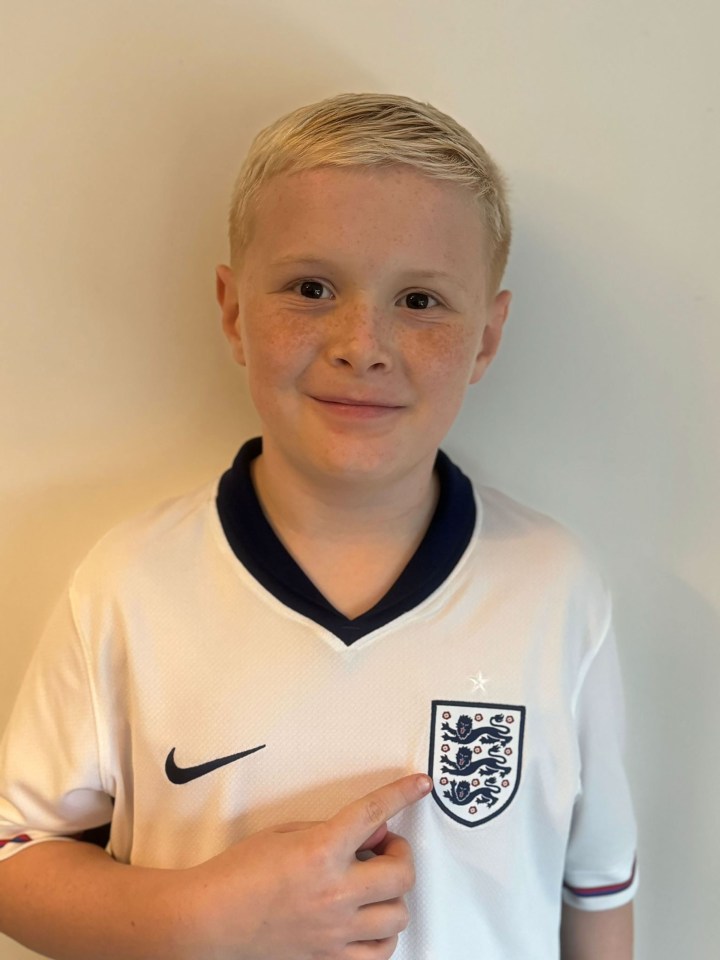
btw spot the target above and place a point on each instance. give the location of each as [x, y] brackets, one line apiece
[363, 463]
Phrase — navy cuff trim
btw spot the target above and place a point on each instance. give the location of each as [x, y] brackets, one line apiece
[605, 891]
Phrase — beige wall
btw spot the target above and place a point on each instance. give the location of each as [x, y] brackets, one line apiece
[122, 127]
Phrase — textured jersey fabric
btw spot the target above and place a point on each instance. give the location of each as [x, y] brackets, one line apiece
[167, 656]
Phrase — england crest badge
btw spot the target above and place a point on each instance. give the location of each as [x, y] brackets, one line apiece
[475, 758]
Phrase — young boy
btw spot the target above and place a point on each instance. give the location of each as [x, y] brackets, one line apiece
[246, 682]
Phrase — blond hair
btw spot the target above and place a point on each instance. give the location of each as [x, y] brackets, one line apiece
[365, 129]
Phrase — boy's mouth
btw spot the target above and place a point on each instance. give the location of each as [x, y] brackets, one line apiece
[359, 407]
[358, 402]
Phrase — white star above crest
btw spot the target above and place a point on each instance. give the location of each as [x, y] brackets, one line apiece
[478, 682]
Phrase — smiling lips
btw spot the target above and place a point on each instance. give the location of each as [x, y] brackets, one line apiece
[357, 408]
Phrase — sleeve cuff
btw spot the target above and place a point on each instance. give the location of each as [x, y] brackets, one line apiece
[601, 896]
[11, 846]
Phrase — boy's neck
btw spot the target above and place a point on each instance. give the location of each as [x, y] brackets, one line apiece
[352, 540]
[338, 511]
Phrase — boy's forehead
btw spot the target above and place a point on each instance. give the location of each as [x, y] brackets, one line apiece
[325, 209]
[364, 188]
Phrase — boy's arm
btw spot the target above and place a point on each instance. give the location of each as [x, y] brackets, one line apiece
[597, 935]
[72, 901]
[297, 890]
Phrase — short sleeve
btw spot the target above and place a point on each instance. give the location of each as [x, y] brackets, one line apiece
[50, 772]
[601, 866]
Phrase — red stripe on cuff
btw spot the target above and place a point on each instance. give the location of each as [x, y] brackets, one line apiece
[602, 891]
[21, 838]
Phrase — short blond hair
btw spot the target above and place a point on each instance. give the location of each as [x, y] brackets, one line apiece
[366, 129]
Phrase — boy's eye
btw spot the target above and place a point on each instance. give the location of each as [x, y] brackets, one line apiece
[417, 300]
[316, 290]
[312, 289]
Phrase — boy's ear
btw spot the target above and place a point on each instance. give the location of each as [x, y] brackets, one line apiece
[226, 293]
[492, 332]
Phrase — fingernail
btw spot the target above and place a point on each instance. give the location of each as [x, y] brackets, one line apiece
[424, 784]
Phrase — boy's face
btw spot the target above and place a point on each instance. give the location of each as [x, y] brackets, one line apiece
[358, 355]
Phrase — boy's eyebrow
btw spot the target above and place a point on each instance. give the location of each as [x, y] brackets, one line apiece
[436, 275]
[430, 273]
[296, 258]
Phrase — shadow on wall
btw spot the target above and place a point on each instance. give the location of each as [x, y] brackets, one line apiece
[671, 684]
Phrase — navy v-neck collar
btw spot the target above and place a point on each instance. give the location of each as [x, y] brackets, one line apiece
[259, 549]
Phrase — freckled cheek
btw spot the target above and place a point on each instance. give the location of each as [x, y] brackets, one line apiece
[445, 357]
[276, 350]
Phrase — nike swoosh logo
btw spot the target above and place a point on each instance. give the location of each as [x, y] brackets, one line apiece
[176, 774]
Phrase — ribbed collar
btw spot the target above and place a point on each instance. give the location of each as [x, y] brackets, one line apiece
[259, 549]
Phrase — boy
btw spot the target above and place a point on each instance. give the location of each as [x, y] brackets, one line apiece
[343, 609]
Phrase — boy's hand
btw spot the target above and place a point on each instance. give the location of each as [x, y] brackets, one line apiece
[299, 892]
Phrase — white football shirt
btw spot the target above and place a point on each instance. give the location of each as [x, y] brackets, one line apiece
[193, 687]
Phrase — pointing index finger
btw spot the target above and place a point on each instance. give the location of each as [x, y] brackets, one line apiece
[356, 821]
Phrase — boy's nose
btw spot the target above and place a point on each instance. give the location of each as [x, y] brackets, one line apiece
[360, 338]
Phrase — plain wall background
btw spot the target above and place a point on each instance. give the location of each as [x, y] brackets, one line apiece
[122, 128]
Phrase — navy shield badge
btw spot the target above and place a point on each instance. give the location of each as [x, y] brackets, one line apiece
[475, 758]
